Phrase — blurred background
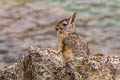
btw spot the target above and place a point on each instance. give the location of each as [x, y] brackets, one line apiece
[25, 23]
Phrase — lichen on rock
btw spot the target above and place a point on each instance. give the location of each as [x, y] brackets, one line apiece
[45, 64]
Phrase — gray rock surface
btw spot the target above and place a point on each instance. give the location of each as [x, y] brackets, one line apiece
[45, 64]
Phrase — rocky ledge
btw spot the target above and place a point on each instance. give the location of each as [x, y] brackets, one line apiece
[45, 64]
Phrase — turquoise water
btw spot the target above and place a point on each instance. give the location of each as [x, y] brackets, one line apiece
[105, 12]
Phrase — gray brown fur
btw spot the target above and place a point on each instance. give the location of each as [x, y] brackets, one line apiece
[70, 43]
[76, 43]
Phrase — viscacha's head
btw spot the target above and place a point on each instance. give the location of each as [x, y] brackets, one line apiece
[66, 25]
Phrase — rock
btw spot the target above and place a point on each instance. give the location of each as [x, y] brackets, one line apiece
[45, 64]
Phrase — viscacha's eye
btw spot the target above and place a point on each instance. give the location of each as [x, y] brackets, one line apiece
[64, 23]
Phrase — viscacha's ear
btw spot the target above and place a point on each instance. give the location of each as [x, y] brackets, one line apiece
[72, 18]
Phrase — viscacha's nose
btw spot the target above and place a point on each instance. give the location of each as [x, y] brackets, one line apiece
[56, 28]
